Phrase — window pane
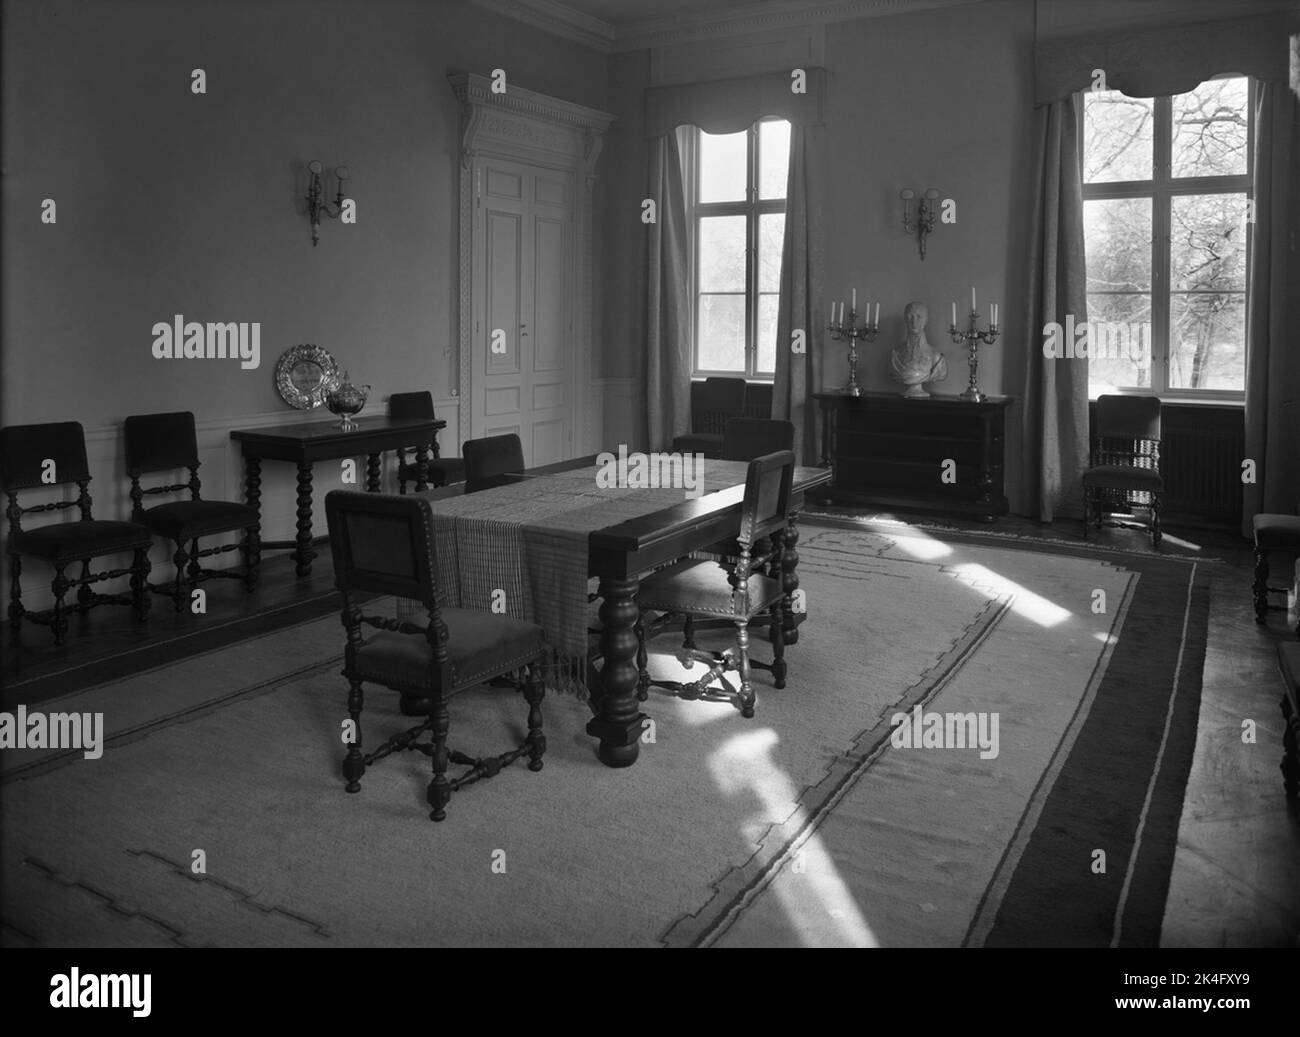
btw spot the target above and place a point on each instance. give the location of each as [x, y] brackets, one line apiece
[766, 331]
[724, 166]
[722, 333]
[1207, 242]
[1117, 135]
[773, 158]
[1210, 129]
[771, 235]
[722, 254]
[1207, 332]
[1117, 243]
[1119, 334]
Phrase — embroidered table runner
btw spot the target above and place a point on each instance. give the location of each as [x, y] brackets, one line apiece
[521, 549]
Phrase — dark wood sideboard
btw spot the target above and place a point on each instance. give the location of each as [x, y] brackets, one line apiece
[888, 450]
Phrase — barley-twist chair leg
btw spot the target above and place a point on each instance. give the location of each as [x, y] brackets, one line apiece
[748, 697]
[439, 793]
[534, 690]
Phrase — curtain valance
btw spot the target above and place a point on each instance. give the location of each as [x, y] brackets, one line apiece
[731, 105]
[1167, 60]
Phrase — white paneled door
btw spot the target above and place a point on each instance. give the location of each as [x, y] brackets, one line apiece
[524, 302]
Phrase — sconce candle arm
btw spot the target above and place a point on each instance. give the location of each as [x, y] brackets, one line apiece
[316, 203]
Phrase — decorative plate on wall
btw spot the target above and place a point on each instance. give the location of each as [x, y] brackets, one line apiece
[305, 374]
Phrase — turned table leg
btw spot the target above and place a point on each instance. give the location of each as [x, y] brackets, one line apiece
[421, 469]
[618, 721]
[304, 552]
[373, 470]
[253, 484]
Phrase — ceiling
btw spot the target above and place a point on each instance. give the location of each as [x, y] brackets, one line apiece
[635, 24]
[621, 13]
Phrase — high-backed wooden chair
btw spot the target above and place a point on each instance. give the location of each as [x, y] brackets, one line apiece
[1274, 533]
[1124, 470]
[166, 443]
[440, 471]
[489, 460]
[55, 455]
[735, 590]
[384, 544]
[747, 438]
[714, 402]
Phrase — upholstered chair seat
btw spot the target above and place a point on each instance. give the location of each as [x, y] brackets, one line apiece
[735, 589]
[184, 520]
[46, 457]
[166, 443]
[67, 541]
[385, 545]
[480, 647]
[1273, 532]
[1277, 532]
[703, 588]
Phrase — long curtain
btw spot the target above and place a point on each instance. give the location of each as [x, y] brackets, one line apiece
[799, 374]
[668, 328]
[1273, 309]
[1055, 416]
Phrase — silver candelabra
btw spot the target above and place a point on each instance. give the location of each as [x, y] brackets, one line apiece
[852, 332]
[973, 337]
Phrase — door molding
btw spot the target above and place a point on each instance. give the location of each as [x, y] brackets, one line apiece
[524, 126]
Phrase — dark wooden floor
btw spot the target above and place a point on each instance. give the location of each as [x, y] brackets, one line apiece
[107, 643]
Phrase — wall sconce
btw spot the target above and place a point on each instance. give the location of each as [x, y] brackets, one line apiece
[316, 203]
[925, 215]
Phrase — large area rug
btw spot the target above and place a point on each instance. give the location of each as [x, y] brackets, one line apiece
[806, 825]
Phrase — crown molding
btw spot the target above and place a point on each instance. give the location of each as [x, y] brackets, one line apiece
[766, 16]
[558, 19]
[763, 16]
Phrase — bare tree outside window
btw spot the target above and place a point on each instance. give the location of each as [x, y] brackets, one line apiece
[1167, 186]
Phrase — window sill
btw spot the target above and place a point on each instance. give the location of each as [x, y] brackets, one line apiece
[1181, 401]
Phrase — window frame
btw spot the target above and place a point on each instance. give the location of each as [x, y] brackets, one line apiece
[752, 208]
[1161, 189]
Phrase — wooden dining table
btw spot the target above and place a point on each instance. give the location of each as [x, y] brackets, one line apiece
[304, 443]
[618, 555]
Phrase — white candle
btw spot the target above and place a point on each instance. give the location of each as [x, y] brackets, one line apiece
[954, 315]
[832, 311]
[854, 307]
[876, 323]
[996, 309]
[993, 315]
[973, 307]
[841, 315]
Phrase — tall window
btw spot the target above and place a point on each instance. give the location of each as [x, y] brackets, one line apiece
[736, 188]
[1167, 187]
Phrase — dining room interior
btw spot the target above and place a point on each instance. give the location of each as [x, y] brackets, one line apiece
[650, 473]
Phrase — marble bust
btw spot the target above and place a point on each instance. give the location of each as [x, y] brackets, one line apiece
[915, 361]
